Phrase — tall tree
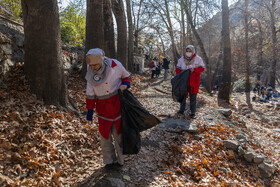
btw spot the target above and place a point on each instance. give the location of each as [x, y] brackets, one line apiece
[182, 5]
[43, 67]
[260, 52]
[118, 10]
[171, 32]
[189, 30]
[137, 27]
[165, 15]
[272, 12]
[270, 5]
[225, 87]
[247, 60]
[94, 27]
[109, 37]
[159, 34]
[203, 51]
[94, 24]
[130, 36]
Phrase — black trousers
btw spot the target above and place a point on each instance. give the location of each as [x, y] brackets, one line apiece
[153, 73]
[192, 102]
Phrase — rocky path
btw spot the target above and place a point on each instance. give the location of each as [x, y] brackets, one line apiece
[43, 146]
[180, 152]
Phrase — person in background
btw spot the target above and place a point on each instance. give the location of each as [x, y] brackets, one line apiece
[165, 66]
[153, 67]
[195, 64]
[158, 68]
[105, 77]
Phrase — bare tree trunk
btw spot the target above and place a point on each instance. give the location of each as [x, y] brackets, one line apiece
[260, 53]
[203, 52]
[136, 36]
[137, 30]
[118, 9]
[109, 36]
[130, 36]
[274, 44]
[163, 46]
[277, 80]
[225, 87]
[219, 61]
[171, 33]
[247, 83]
[189, 30]
[183, 27]
[43, 67]
[94, 33]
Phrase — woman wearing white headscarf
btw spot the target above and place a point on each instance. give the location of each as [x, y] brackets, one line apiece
[195, 64]
[104, 77]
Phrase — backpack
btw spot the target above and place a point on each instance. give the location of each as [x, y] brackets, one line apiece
[152, 64]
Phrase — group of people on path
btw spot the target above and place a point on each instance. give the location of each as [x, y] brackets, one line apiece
[264, 94]
[156, 65]
[105, 76]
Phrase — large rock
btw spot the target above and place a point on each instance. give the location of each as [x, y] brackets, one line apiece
[9, 62]
[249, 156]
[267, 168]
[7, 49]
[231, 144]
[241, 137]
[66, 62]
[11, 48]
[4, 39]
[19, 40]
[5, 181]
[259, 159]
[116, 182]
[240, 151]
[180, 124]
[225, 112]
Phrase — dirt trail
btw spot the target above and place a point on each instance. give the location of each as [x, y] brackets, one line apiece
[166, 152]
[43, 146]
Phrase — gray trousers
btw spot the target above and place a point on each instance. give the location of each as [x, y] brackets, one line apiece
[192, 102]
[112, 150]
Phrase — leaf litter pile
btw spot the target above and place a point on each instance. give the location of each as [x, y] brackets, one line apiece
[43, 146]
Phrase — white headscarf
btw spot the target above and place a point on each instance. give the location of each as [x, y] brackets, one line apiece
[97, 77]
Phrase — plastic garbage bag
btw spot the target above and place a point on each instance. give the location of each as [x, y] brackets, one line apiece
[179, 85]
[135, 118]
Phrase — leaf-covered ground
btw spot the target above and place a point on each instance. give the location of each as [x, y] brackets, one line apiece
[42, 146]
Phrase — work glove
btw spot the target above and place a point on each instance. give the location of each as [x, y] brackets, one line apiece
[89, 114]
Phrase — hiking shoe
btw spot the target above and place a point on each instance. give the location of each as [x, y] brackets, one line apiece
[192, 116]
[109, 166]
[180, 112]
[118, 165]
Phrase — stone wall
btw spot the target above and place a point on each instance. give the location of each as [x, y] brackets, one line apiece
[12, 49]
[11, 46]
[72, 57]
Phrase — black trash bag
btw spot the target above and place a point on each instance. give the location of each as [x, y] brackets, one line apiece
[179, 85]
[135, 118]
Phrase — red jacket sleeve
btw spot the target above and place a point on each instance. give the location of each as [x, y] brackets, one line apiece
[127, 79]
[199, 69]
[90, 103]
[178, 70]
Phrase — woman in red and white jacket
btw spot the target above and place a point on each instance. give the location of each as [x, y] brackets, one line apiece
[195, 64]
[104, 77]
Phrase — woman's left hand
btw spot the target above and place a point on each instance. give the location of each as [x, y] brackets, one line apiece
[123, 87]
